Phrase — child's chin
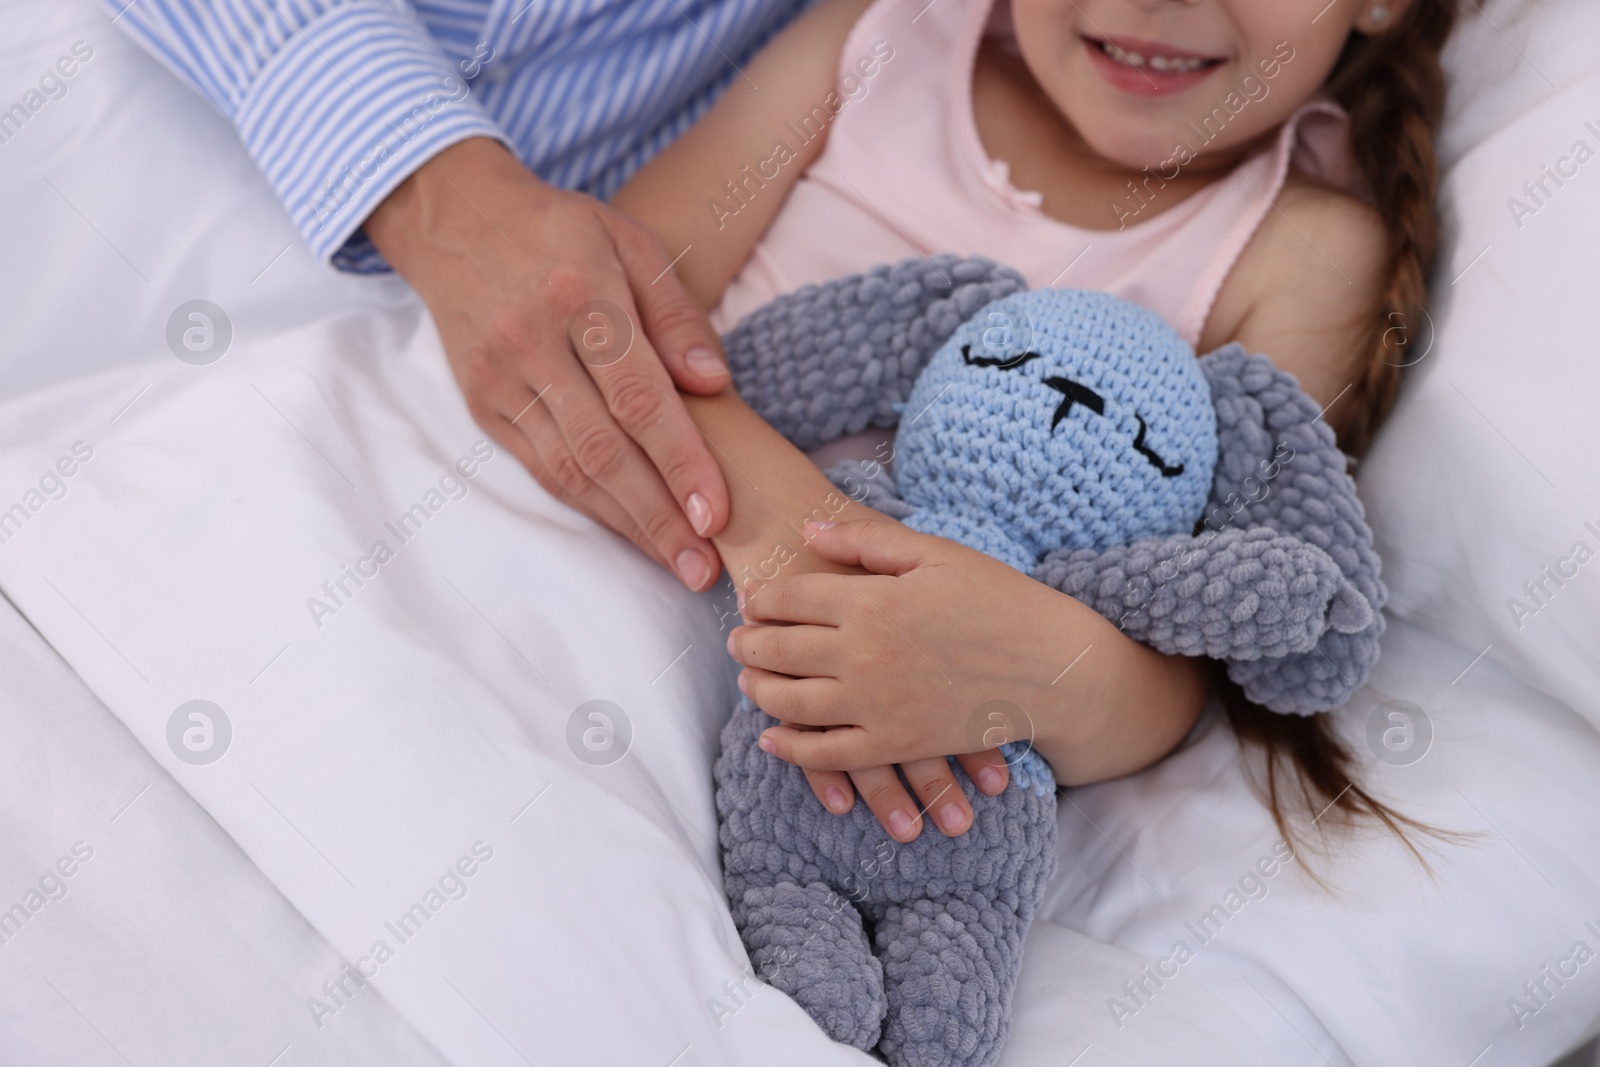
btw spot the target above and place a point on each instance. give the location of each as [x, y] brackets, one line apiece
[1135, 144]
[1148, 151]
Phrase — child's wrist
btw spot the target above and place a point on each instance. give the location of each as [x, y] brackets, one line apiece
[1119, 707]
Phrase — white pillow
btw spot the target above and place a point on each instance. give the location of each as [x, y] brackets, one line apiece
[1484, 491]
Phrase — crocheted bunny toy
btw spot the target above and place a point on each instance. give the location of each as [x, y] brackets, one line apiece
[1076, 437]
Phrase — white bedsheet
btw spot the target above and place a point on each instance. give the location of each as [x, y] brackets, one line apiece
[430, 712]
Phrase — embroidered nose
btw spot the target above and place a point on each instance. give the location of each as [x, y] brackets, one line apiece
[1074, 393]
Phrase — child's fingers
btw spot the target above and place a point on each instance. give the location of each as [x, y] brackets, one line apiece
[802, 651]
[935, 785]
[833, 789]
[810, 598]
[987, 769]
[881, 546]
[886, 795]
[806, 701]
[839, 749]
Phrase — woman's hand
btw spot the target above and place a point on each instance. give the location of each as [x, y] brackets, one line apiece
[567, 331]
[908, 663]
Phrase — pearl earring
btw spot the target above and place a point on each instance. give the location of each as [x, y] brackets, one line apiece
[1379, 14]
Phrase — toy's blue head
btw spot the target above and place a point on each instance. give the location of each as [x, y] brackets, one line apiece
[1057, 419]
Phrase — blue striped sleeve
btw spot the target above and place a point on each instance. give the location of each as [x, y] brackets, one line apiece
[336, 100]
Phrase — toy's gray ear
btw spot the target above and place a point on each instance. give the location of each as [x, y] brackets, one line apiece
[1278, 467]
[835, 358]
[1278, 580]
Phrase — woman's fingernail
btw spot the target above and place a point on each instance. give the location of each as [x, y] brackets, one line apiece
[705, 363]
[900, 823]
[951, 819]
[731, 652]
[766, 745]
[693, 568]
[699, 511]
[989, 780]
[837, 802]
[820, 524]
[741, 687]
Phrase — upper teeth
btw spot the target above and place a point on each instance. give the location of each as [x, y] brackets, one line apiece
[1166, 64]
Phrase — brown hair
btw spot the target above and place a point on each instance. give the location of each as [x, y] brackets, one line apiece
[1392, 86]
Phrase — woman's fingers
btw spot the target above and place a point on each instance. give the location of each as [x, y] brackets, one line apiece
[679, 331]
[886, 796]
[601, 450]
[987, 769]
[537, 442]
[935, 785]
[801, 651]
[615, 333]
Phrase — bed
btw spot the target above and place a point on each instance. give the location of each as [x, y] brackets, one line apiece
[322, 804]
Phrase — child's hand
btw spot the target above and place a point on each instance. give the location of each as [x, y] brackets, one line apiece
[934, 787]
[898, 665]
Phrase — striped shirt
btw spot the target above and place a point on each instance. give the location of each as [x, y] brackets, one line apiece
[339, 100]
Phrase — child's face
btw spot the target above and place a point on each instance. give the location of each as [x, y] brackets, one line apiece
[1183, 78]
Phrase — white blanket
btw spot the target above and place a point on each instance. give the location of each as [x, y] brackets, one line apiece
[386, 730]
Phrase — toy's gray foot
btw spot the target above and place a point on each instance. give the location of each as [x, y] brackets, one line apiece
[808, 942]
[949, 967]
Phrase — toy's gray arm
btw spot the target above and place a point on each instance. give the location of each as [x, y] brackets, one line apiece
[1280, 580]
[835, 358]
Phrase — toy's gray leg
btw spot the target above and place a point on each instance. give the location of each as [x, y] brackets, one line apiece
[808, 941]
[949, 967]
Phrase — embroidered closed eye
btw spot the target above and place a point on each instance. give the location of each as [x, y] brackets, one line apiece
[1009, 363]
[1077, 393]
[1150, 454]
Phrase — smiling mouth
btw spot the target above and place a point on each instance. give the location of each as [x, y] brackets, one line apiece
[1151, 58]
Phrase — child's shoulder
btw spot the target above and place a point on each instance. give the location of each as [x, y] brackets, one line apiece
[1310, 218]
[1303, 288]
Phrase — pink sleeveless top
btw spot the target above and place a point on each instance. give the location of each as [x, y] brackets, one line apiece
[904, 173]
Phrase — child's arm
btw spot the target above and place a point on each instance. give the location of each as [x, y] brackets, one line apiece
[675, 191]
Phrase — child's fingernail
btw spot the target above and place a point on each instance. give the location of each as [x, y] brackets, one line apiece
[951, 819]
[838, 803]
[692, 568]
[989, 779]
[742, 690]
[705, 363]
[699, 511]
[766, 745]
[820, 524]
[900, 823]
